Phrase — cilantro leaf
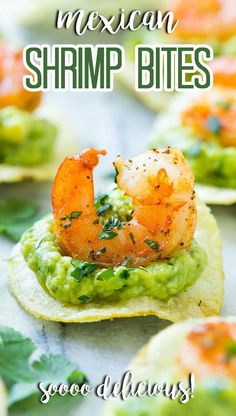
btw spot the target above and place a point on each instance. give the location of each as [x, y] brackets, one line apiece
[153, 244]
[82, 269]
[22, 375]
[107, 235]
[16, 216]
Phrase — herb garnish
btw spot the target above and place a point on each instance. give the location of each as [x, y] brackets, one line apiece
[101, 204]
[22, 373]
[73, 215]
[152, 244]
[132, 238]
[82, 269]
[84, 299]
[106, 274]
[107, 235]
[214, 124]
[16, 216]
[107, 232]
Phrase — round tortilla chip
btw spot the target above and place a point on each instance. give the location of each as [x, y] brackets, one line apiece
[3, 399]
[157, 359]
[204, 298]
[64, 145]
[216, 195]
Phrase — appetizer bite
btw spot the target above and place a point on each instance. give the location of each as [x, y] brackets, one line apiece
[134, 251]
[203, 126]
[31, 145]
[200, 22]
[204, 348]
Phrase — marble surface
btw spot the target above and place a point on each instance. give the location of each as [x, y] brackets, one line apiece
[119, 124]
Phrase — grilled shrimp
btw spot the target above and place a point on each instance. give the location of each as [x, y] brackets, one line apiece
[160, 183]
[12, 71]
[210, 349]
[213, 117]
[204, 19]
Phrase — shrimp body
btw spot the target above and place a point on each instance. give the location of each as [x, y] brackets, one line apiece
[12, 71]
[210, 349]
[213, 117]
[160, 184]
[204, 18]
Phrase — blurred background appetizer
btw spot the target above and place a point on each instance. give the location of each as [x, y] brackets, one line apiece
[205, 348]
[203, 126]
[32, 143]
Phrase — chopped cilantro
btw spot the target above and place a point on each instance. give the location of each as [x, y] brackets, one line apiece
[113, 222]
[106, 274]
[153, 244]
[107, 235]
[82, 269]
[84, 299]
[214, 124]
[124, 274]
[73, 215]
[132, 238]
[103, 208]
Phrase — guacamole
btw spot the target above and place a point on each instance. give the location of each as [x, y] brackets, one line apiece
[25, 139]
[215, 400]
[75, 282]
[211, 163]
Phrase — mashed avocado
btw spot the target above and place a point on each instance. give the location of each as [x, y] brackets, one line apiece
[25, 139]
[211, 163]
[74, 282]
[215, 400]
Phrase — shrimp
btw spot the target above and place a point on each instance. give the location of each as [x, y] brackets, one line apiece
[213, 117]
[160, 183]
[12, 71]
[210, 349]
[224, 70]
[204, 18]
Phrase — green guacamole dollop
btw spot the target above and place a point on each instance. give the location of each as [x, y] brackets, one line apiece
[25, 139]
[211, 163]
[75, 282]
[217, 399]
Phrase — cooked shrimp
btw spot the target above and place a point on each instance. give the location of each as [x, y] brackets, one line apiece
[210, 349]
[213, 117]
[160, 183]
[204, 18]
[224, 70]
[12, 71]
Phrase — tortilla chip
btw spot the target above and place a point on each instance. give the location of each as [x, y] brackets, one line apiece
[210, 194]
[64, 145]
[3, 399]
[216, 195]
[157, 359]
[204, 298]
